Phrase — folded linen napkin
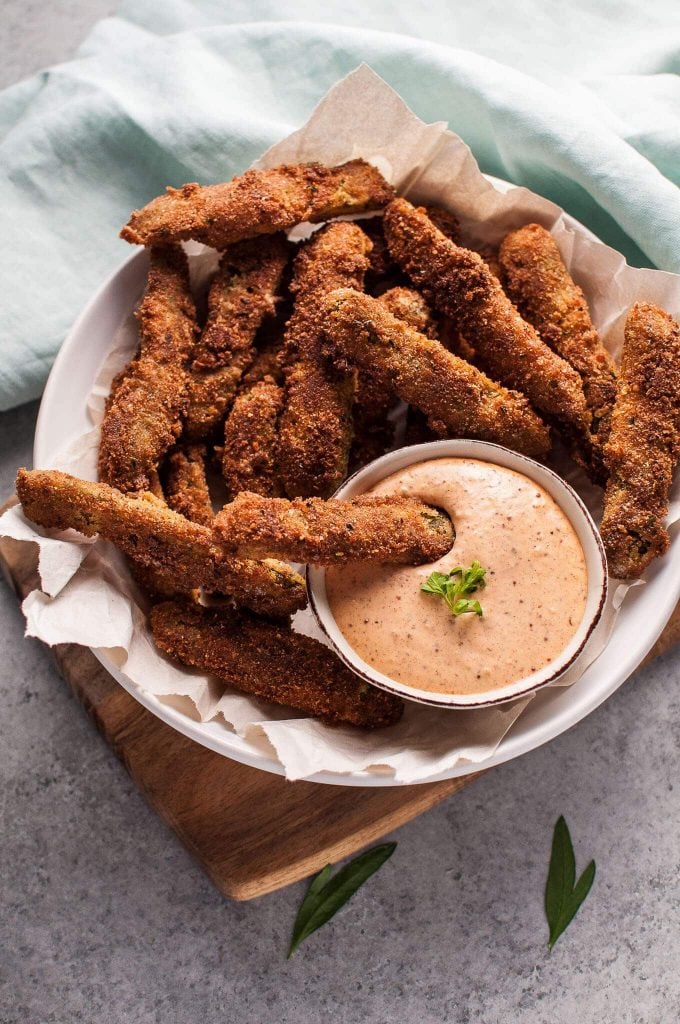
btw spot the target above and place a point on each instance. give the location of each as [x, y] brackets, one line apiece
[187, 91]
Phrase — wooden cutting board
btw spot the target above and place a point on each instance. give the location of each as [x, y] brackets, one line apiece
[251, 832]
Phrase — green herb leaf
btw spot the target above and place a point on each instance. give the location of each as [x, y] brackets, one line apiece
[562, 897]
[463, 606]
[309, 903]
[454, 585]
[436, 583]
[327, 895]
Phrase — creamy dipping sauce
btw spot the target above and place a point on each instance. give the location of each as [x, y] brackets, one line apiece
[533, 602]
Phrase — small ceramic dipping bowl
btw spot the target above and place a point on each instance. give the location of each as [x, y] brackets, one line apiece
[570, 504]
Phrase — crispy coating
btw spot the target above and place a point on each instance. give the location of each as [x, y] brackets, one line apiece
[410, 306]
[459, 400]
[273, 663]
[243, 294]
[373, 433]
[370, 528]
[459, 283]
[644, 442]
[258, 203]
[266, 366]
[250, 434]
[445, 222]
[316, 426]
[144, 412]
[156, 537]
[381, 266]
[544, 292]
[383, 270]
[185, 486]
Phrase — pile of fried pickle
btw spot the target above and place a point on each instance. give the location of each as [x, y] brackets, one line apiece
[285, 384]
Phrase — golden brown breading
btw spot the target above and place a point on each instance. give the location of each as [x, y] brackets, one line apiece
[544, 292]
[370, 528]
[316, 426]
[459, 283]
[458, 399]
[144, 411]
[250, 433]
[272, 663]
[258, 203]
[155, 536]
[373, 433]
[185, 486]
[243, 294]
[381, 266]
[410, 306]
[644, 442]
[445, 222]
[266, 366]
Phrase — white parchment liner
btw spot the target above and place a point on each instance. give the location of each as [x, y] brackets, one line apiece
[87, 595]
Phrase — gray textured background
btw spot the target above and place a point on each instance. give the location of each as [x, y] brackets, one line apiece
[103, 917]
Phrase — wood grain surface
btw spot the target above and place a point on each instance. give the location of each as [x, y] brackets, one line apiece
[251, 832]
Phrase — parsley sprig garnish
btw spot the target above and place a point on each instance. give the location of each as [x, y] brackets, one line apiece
[455, 585]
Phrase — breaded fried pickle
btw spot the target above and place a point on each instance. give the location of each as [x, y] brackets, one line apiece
[316, 426]
[644, 442]
[382, 266]
[370, 528]
[242, 295]
[410, 306]
[373, 433]
[155, 536]
[458, 399]
[544, 292]
[459, 283]
[185, 486]
[250, 433]
[258, 203]
[144, 411]
[272, 663]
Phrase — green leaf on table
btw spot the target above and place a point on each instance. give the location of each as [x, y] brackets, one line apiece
[563, 894]
[327, 895]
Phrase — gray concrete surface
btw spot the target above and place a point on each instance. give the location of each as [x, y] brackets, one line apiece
[104, 918]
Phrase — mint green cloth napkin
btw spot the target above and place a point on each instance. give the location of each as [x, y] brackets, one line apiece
[580, 104]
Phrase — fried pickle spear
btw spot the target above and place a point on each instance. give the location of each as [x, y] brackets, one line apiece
[544, 292]
[243, 294]
[373, 433]
[156, 537]
[370, 528]
[258, 203]
[459, 283]
[272, 663]
[383, 270]
[410, 306]
[316, 426]
[144, 412]
[250, 434]
[644, 442]
[185, 486]
[459, 400]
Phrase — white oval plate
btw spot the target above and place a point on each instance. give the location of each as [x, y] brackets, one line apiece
[63, 417]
